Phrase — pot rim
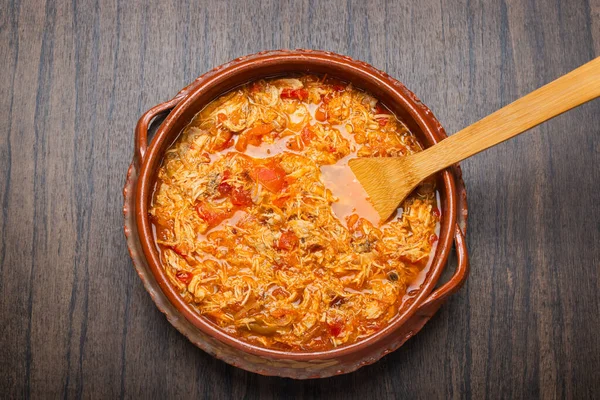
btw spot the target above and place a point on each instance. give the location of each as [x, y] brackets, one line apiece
[404, 99]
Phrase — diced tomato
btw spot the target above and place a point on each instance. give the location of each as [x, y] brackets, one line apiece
[255, 87]
[382, 121]
[252, 136]
[307, 135]
[280, 201]
[271, 177]
[433, 238]
[210, 215]
[242, 143]
[241, 197]
[436, 212]
[335, 328]
[221, 117]
[224, 188]
[184, 276]
[320, 115]
[229, 143]
[338, 87]
[222, 141]
[259, 130]
[287, 241]
[255, 140]
[331, 148]
[299, 94]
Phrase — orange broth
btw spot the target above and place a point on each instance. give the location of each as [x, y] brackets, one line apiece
[263, 228]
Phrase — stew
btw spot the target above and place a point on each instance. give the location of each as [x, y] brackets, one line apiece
[263, 229]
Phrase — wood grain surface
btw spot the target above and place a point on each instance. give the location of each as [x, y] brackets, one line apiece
[75, 76]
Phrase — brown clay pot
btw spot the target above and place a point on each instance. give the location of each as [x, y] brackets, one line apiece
[203, 333]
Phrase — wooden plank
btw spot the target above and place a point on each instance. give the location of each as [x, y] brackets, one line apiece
[24, 73]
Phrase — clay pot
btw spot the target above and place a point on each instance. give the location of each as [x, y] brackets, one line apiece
[202, 332]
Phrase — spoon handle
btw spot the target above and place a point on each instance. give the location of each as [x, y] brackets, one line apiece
[568, 91]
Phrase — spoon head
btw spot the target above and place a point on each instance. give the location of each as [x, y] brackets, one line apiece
[387, 181]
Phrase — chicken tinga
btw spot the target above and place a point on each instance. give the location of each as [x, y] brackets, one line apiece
[251, 234]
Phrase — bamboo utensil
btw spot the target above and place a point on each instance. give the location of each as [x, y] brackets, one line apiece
[388, 180]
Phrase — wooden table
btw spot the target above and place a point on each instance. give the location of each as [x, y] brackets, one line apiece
[75, 320]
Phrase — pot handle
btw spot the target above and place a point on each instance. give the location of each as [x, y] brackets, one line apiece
[441, 294]
[141, 129]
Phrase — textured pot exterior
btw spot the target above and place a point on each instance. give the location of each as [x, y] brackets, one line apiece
[200, 331]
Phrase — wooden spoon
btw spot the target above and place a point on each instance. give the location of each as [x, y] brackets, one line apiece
[388, 180]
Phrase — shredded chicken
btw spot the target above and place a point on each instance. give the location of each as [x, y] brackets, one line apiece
[253, 242]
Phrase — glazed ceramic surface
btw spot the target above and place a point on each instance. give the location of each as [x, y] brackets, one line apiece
[141, 178]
